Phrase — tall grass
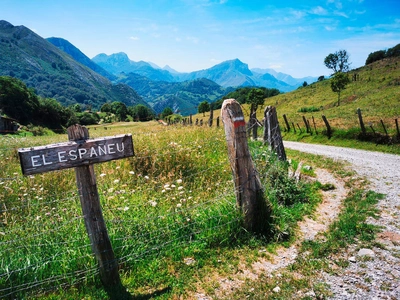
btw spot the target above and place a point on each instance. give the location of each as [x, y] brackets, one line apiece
[170, 212]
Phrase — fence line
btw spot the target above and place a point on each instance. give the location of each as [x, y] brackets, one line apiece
[210, 230]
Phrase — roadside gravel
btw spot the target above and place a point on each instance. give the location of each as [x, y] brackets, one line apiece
[372, 273]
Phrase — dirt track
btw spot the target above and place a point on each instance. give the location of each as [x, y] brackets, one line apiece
[379, 276]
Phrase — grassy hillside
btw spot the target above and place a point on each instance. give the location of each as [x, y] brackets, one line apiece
[376, 92]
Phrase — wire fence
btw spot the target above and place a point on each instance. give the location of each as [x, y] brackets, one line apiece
[43, 243]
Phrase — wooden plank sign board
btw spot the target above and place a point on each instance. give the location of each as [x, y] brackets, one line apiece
[74, 154]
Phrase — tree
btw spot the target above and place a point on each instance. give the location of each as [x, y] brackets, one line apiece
[255, 98]
[339, 82]
[17, 101]
[338, 61]
[203, 107]
[140, 112]
[120, 110]
[375, 56]
[305, 83]
[166, 112]
[321, 78]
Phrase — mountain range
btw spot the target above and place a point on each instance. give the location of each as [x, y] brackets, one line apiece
[53, 73]
[55, 68]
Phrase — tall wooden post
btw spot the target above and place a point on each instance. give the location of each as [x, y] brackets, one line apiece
[315, 126]
[249, 191]
[364, 132]
[272, 132]
[328, 127]
[306, 124]
[94, 222]
[210, 120]
[286, 122]
[384, 128]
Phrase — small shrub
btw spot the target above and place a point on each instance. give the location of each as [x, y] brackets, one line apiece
[309, 109]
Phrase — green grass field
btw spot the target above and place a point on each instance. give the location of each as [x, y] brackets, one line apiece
[170, 212]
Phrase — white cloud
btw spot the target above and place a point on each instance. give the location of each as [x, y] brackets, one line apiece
[319, 11]
[134, 38]
[330, 28]
[193, 39]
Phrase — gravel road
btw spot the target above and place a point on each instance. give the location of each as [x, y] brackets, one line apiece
[372, 273]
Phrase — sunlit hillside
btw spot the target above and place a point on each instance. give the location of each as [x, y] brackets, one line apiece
[376, 92]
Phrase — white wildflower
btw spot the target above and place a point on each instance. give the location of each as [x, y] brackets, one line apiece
[179, 181]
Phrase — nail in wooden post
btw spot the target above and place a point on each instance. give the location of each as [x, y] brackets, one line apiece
[249, 191]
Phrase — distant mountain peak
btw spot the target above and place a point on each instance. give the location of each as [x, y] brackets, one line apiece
[5, 25]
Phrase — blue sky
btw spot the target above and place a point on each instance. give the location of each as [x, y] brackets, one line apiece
[289, 36]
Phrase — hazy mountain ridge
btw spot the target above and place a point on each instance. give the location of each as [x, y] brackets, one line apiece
[230, 73]
[53, 73]
[58, 69]
[182, 97]
[70, 49]
[120, 63]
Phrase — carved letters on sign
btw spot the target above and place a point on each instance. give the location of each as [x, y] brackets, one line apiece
[72, 154]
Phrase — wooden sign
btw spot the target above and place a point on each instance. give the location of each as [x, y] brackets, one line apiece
[81, 152]
[74, 154]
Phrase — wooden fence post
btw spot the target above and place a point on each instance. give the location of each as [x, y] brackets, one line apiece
[218, 121]
[364, 132]
[397, 127]
[210, 120]
[384, 128]
[306, 124]
[286, 122]
[248, 188]
[190, 120]
[272, 132]
[315, 126]
[328, 127]
[94, 222]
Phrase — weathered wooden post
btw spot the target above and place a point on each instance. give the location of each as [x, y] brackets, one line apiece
[249, 191]
[286, 122]
[306, 124]
[190, 120]
[328, 127]
[218, 121]
[272, 132]
[364, 132]
[81, 153]
[252, 125]
[210, 120]
[384, 128]
[397, 127]
[315, 126]
[298, 126]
